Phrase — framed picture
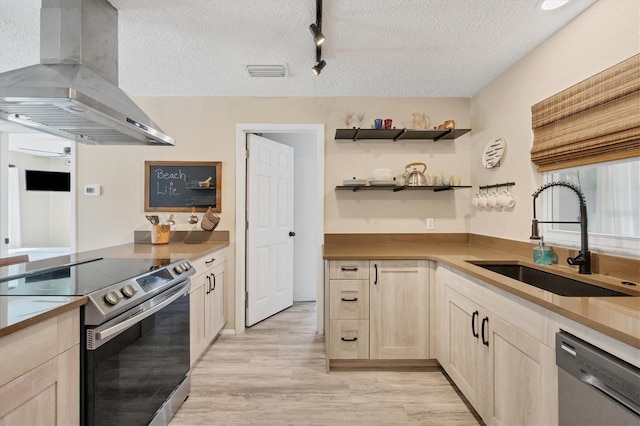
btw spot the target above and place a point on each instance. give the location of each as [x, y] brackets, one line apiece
[180, 186]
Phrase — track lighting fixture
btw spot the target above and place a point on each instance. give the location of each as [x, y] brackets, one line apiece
[318, 37]
[317, 68]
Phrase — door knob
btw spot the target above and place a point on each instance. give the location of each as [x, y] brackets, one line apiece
[292, 234]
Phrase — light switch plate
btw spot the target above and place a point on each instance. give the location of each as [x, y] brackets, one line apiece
[92, 189]
[431, 223]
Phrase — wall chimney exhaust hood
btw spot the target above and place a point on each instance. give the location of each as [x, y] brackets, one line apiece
[73, 92]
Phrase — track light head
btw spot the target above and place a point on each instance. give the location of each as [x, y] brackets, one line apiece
[317, 68]
[318, 37]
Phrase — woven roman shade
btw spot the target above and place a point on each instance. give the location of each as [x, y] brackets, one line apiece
[593, 121]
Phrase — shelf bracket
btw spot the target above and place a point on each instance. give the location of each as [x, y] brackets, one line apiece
[442, 188]
[437, 138]
[399, 135]
[355, 138]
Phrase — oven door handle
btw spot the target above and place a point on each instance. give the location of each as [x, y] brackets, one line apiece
[142, 314]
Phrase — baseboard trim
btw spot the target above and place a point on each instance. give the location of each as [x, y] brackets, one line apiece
[384, 364]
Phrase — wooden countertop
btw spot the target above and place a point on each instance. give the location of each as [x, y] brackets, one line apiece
[34, 309]
[616, 317]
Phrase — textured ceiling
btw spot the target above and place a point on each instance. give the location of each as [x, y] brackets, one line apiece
[373, 48]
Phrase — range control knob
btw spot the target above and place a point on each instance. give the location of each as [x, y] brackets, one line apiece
[128, 291]
[178, 269]
[188, 265]
[112, 298]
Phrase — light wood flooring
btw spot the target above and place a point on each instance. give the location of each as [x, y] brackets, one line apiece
[275, 374]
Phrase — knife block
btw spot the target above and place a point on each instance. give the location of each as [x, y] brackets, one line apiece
[160, 234]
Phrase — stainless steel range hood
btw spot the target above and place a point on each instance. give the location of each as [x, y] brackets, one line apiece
[74, 92]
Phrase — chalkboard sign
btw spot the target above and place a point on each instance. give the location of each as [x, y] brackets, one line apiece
[176, 186]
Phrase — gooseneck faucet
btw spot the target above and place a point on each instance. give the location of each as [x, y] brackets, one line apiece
[583, 259]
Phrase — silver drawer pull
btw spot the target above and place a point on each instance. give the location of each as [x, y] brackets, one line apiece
[344, 339]
[349, 268]
[355, 299]
[209, 262]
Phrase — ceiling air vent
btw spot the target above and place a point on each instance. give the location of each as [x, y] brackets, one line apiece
[261, 71]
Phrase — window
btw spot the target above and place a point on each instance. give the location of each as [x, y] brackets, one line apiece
[612, 193]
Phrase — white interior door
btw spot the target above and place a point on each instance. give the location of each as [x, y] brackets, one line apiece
[270, 228]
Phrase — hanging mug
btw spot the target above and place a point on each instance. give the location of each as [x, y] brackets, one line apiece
[474, 200]
[492, 199]
[505, 199]
[482, 201]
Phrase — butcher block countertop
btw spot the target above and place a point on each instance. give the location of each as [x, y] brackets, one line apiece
[616, 317]
[34, 309]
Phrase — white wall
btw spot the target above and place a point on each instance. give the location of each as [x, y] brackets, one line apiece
[306, 244]
[602, 36]
[45, 215]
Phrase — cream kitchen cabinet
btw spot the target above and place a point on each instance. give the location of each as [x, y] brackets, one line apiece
[399, 309]
[207, 313]
[216, 314]
[508, 376]
[44, 387]
[378, 310]
[348, 310]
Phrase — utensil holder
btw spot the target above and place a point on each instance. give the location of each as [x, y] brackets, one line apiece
[160, 234]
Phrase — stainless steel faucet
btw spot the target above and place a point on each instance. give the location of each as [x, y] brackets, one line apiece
[583, 259]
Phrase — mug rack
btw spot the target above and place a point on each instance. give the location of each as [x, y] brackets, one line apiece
[497, 185]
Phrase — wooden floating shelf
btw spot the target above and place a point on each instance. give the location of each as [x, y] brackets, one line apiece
[398, 134]
[398, 188]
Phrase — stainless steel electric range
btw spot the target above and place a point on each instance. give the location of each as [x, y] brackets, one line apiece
[134, 333]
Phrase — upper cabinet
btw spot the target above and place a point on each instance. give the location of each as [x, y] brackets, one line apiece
[398, 134]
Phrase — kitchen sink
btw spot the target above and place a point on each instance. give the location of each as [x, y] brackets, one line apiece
[557, 284]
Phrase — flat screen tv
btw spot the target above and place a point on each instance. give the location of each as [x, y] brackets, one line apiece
[42, 180]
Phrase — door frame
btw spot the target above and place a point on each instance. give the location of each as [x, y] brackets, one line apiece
[240, 229]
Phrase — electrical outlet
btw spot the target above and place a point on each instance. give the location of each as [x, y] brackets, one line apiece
[431, 223]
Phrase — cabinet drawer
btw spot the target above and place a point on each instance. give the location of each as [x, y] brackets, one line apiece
[349, 299]
[209, 261]
[349, 270]
[349, 339]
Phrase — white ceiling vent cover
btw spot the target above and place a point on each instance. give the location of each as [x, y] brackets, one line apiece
[264, 71]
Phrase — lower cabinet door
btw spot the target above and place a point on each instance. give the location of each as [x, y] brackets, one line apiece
[48, 395]
[197, 331]
[349, 339]
[216, 302]
[220, 318]
[463, 355]
[523, 385]
[399, 309]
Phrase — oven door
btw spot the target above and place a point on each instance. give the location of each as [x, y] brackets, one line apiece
[133, 363]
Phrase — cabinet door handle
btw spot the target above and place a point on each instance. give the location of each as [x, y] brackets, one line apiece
[214, 281]
[208, 284]
[473, 324]
[375, 281]
[485, 320]
[344, 339]
[349, 268]
[344, 299]
[209, 262]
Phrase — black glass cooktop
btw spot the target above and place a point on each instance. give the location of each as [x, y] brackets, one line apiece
[75, 279]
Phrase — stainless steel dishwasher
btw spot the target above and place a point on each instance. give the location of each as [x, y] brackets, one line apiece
[595, 387]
